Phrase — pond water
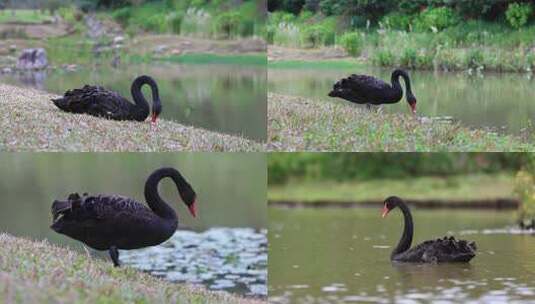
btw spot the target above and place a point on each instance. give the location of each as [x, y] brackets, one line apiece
[225, 98]
[342, 255]
[231, 259]
[235, 207]
[501, 102]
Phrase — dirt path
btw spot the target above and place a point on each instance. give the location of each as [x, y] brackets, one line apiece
[276, 53]
[176, 45]
[30, 122]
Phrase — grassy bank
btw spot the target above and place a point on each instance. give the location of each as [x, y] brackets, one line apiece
[28, 16]
[30, 122]
[39, 272]
[76, 49]
[454, 188]
[300, 124]
[318, 65]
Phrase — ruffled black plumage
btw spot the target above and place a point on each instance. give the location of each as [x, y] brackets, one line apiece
[444, 250]
[98, 101]
[111, 222]
[364, 89]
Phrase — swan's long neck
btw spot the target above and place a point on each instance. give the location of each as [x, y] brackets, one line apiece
[395, 81]
[156, 203]
[142, 106]
[406, 238]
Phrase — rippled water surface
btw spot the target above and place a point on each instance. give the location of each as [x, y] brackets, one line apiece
[222, 97]
[501, 102]
[341, 255]
[231, 259]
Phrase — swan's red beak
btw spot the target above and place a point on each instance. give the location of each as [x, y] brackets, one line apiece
[385, 211]
[413, 108]
[193, 209]
[154, 116]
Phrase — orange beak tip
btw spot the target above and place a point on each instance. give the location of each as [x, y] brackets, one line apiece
[385, 212]
[193, 209]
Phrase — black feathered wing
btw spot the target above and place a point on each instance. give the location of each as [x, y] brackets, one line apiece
[364, 89]
[101, 221]
[96, 101]
[445, 250]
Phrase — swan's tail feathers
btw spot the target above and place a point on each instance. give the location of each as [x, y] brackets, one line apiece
[60, 208]
[61, 103]
[338, 88]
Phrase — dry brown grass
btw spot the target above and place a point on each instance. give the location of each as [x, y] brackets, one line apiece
[39, 272]
[301, 124]
[30, 122]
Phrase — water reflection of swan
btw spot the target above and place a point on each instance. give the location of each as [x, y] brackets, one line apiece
[447, 249]
[97, 101]
[111, 222]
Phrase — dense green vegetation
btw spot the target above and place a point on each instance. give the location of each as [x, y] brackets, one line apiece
[367, 166]
[450, 189]
[24, 16]
[425, 34]
[200, 18]
[525, 190]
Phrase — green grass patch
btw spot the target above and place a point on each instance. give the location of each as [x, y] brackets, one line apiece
[24, 16]
[31, 122]
[201, 58]
[457, 188]
[318, 64]
[301, 124]
[39, 272]
[216, 59]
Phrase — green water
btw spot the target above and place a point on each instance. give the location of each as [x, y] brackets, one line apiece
[501, 102]
[230, 187]
[227, 98]
[342, 255]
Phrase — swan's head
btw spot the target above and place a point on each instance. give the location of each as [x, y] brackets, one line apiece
[411, 100]
[156, 110]
[389, 204]
[188, 196]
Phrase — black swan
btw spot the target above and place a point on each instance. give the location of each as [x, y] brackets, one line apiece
[364, 89]
[111, 222]
[98, 101]
[444, 250]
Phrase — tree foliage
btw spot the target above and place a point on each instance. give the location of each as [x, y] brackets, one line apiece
[374, 10]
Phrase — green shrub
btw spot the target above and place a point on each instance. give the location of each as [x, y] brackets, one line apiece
[397, 21]
[351, 43]
[69, 14]
[518, 14]
[317, 35]
[227, 24]
[437, 19]
[175, 22]
[383, 57]
[408, 58]
[122, 15]
[278, 17]
[474, 59]
[424, 60]
[525, 191]
[155, 23]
